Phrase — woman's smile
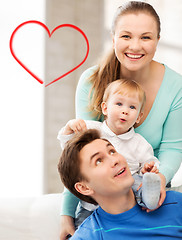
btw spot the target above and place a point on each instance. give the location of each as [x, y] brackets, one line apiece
[132, 56]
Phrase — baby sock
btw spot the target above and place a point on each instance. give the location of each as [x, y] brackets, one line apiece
[151, 186]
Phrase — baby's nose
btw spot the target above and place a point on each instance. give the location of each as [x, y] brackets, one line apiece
[125, 111]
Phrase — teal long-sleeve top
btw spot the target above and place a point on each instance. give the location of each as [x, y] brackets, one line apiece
[162, 128]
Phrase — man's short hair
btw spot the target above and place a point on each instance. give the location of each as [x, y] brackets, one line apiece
[69, 163]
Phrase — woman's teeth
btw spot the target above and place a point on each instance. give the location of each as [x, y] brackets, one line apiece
[134, 56]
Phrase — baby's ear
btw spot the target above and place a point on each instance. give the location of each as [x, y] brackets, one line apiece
[104, 108]
[83, 188]
[140, 115]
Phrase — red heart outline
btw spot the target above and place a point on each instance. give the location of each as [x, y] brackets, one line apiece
[50, 34]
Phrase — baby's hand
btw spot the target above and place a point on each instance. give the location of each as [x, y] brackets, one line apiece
[150, 167]
[75, 126]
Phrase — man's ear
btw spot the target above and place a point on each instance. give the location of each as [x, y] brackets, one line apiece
[140, 115]
[83, 188]
[104, 108]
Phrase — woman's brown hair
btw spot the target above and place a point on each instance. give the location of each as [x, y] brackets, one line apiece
[109, 68]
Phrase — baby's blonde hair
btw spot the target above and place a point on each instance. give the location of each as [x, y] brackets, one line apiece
[127, 88]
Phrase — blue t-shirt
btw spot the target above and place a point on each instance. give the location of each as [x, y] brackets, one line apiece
[163, 223]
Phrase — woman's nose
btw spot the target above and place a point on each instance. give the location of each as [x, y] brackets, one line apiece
[135, 45]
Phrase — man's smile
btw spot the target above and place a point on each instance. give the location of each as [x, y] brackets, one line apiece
[121, 172]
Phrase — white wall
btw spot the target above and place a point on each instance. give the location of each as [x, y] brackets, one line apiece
[21, 104]
[67, 52]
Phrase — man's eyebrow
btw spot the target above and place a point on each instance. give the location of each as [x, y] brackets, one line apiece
[108, 143]
[97, 153]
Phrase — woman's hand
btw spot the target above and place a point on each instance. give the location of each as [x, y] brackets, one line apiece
[163, 189]
[67, 227]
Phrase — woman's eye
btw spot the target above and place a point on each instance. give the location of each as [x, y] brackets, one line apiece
[146, 37]
[125, 36]
[132, 107]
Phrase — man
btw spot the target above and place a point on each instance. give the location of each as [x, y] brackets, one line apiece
[92, 170]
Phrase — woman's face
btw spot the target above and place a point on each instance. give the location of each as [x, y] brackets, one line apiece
[135, 40]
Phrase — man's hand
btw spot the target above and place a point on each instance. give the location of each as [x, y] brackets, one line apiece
[67, 227]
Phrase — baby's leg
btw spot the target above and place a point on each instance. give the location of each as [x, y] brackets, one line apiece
[151, 186]
[82, 213]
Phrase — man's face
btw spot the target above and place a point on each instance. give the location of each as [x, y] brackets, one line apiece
[107, 171]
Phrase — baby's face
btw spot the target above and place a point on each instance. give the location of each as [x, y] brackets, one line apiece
[122, 112]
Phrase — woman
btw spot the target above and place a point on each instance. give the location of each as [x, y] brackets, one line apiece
[135, 35]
